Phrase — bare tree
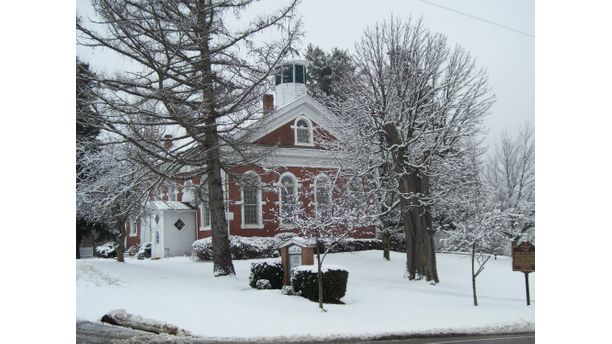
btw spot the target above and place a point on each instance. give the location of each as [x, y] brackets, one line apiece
[197, 78]
[510, 172]
[423, 103]
[470, 221]
[111, 189]
[336, 207]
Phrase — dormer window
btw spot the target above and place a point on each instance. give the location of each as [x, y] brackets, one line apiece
[303, 132]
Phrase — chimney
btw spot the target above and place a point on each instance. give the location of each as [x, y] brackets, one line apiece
[268, 103]
[167, 141]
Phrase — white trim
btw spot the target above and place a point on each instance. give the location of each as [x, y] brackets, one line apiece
[202, 226]
[304, 105]
[133, 228]
[295, 128]
[301, 157]
[259, 224]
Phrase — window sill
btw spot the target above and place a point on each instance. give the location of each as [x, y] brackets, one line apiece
[257, 226]
[303, 144]
[204, 229]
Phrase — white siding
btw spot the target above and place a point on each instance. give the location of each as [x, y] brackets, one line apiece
[178, 242]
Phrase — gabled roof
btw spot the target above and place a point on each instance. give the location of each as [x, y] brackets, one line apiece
[305, 105]
[170, 205]
[302, 242]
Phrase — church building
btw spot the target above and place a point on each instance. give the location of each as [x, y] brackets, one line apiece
[290, 121]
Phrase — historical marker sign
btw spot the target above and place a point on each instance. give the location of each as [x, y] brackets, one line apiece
[523, 257]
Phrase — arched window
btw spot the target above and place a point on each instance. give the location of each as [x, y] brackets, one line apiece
[288, 197]
[322, 196]
[303, 132]
[251, 201]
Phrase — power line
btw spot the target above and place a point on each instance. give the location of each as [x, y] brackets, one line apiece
[478, 18]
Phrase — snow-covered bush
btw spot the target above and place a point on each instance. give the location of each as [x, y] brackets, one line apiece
[240, 247]
[287, 290]
[133, 250]
[144, 251]
[270, 271]
[350, 245]
[304, 282]
[263, 284]
[108, 250]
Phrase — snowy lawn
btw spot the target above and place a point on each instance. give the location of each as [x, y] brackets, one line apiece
[378, 299]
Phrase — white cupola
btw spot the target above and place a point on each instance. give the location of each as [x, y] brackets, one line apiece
[290, 81]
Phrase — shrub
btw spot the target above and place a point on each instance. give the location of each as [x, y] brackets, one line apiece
[263, 284]
[351, 245]
[304, 282]
[144, 251]
[108, 250]
[133, 250]
[267, 247]
[271, 271]
[240, 247]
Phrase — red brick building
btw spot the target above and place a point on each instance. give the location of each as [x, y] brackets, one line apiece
[296, 162]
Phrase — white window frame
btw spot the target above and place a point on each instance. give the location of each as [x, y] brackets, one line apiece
[316, 182]
[259, 224]
[295, 129]
[204, 227]
[133, 228]
[280, 196]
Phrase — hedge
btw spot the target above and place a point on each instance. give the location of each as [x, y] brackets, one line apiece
[271, 271]
[304, 282]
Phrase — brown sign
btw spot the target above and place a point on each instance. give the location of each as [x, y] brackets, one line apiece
[523, 257]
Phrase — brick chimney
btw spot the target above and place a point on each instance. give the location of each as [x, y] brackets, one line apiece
[268, 103]
[167, 141]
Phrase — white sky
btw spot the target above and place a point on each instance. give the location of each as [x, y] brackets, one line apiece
[508, 56]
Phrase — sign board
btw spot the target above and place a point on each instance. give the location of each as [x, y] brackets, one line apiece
[294, 249]
[523, 257]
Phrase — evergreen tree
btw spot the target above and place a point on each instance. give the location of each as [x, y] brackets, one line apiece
[325, 71]
[86, 134]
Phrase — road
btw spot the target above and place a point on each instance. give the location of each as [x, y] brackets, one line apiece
[98, 333]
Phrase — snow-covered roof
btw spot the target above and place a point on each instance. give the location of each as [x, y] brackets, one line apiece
[297, 241]
[169, 205]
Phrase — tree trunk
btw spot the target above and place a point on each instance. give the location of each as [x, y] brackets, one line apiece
[320, 278]
[420, 250]
[386, 241]
[120, 240]
[78, 251]
[222, 258]
[474, 275]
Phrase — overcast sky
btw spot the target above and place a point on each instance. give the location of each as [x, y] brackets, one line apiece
[507, 55]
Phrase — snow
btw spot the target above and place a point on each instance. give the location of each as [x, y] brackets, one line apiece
[324, 268]
[379, 301]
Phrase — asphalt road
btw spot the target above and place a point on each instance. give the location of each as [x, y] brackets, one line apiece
[98, 333]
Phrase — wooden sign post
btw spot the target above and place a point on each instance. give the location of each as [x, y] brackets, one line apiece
[523, 259]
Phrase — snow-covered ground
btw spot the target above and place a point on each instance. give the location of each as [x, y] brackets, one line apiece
[378, 301]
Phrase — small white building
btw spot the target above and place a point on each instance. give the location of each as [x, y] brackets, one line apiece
[170, 227]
